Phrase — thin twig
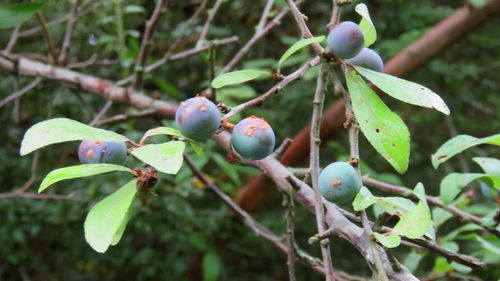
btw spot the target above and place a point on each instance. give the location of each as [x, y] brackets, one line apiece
[20, 93]
[126, 117]
[206, 26]
[258, 35]
[301, 23]
[13, 39]
[181, 55]
[147, 37]
[275, 89]
[264, 15]
[290, 235]
[101, 113]
[46, 37]
[335, 18]
[408, 193]
[63, 55]
[318, 102]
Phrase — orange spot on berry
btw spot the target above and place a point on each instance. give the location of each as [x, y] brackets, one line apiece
[336, 182]
[251, 130]
[97, 142]
[90, 154]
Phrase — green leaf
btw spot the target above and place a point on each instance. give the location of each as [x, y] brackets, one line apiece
[237, 77]
[477, 4]
[491, 167]
[104, 222]
[366, 25]
[121, 229]
[165, 157]
[388, 240]
[453, 183]
[212, 266]
[441, 266]
[174, 132]
[404, 90]
[412, 260]
[14, 14]
[458, 144]
[415, 223]
[383, 128]
[363, 199]
[78, 171]
[59, 130]
[488, 246]
[297, 46]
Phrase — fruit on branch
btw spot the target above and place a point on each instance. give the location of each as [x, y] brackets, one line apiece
[197, 118]
[96, 151]
[345, 40]
[253, 138]
[367, 58]
[339, 182]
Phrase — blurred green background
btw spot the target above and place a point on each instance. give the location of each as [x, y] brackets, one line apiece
[185, 230]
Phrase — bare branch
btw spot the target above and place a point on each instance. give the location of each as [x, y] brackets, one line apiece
[13, 39]
[264, 15]
[318, 101]
[20, 93]
[206, 26]
[300, 20]
[125, 117]
[63, 55]
[46, 37]
[274, 90]
[151, 25]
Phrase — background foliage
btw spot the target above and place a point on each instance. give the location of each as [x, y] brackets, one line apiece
[169, 235]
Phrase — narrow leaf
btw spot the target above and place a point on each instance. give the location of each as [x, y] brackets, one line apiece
[415, 223]
[297, 46]
[383, 128]
[78, 171]
[491, 167]
[453, 183]
[404, 90]
[14, 14]
[165, 157]
[105, 219]
[59, 130]
[121, 229]
[212, 266]
[174, 132]
[363, 199]
[366, 25]
[388, 240]
[237, 77]
[458, 144]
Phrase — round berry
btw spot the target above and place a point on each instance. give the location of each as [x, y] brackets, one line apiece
[339, 182]
[197, 118]
[253, 138]
[345, 40]
[368, 58]
[96, 151]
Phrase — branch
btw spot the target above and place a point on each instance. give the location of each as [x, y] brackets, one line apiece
[63, 55]
[209, 20]
[258, 35]
[151, 25]
[318, 101]
[46, 37]
[20, 93]
[274, 90]
[247, 219]
[13, 39]
[408, 193]
[264, 15]
[301, 23]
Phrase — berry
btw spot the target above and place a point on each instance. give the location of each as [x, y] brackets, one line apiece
[253, 138]
[368, 58]
[345, 40]
[197, 118]
[339, 182]
[95, 151]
